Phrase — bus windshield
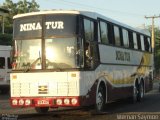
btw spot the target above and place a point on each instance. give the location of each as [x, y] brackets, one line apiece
[47, 42]
[26, 53]
[59, 53]
[63, 53]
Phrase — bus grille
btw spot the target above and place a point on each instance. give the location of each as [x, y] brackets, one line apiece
[51, 89]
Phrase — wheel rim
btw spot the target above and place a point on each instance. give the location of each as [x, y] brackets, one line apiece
[141, 91]
[135, 94]
[100, 100]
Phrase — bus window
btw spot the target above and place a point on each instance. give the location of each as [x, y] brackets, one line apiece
[89, 30]
[125, 38]
[91, 47]
[142, 42]
[117, 36]
[62, 53]
[131, 43]
[139, 42]
[2, 63]
[28, 54]
[149, 42]
[104, 32]
[146, 44]
[135, 41]
[88, 55]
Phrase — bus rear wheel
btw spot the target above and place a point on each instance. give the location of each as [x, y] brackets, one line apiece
[140, 95]
[100, 99]
[42, 109]
[138, 92]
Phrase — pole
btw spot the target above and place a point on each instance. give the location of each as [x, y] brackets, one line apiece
[153, 38]
[153, 35]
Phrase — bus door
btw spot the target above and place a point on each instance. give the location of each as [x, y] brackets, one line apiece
[91, 43]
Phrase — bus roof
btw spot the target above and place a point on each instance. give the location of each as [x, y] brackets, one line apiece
[90, 14]
[5, 47]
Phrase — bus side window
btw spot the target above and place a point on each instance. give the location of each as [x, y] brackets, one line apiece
[149, 42]
[142, 42]
[146, 44]
[88, 30]
[2, 63]
[104, 32]
[139, 42]
[117, 36]
[135, 40]
[125, 38]
[87, 54]
[131, 42]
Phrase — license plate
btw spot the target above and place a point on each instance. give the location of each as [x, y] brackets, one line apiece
[43, 102]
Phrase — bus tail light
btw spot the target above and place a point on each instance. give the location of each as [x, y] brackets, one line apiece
[66, 101]
[21, 102]
[59, 101]
[14, 102]
[74, 101]
[31, 102]
[27, 102]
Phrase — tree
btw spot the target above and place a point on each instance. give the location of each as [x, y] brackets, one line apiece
[22, 6]
[156, 49]
[25, 7]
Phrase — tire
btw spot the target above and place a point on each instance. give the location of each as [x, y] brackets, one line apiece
[140, 95]
[135, 94]
[100, 99]
[42, 109]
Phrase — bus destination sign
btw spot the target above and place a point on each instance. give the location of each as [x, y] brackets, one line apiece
[47, 26]
[38, 26]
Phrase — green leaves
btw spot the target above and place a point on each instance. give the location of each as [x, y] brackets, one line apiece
[22, 6]
[5, 39]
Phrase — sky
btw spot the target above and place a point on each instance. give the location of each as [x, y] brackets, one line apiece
[130, 12]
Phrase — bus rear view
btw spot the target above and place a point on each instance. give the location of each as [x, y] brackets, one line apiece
[47, 55]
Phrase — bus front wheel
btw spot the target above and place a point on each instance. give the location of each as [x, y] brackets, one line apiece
[42, 109]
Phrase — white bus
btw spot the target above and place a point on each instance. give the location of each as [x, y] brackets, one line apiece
[5, 68]
[77, 58]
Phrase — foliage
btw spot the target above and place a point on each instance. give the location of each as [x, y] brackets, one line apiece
[157, 50]
[5, 39]
[22, 6]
